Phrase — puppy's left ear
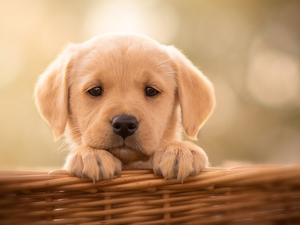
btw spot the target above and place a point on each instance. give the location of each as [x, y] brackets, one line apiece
[196, 93]
[51, 92]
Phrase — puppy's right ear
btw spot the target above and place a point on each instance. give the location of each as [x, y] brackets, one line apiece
[51, 92]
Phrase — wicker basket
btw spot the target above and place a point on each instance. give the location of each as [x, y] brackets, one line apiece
[240, 195]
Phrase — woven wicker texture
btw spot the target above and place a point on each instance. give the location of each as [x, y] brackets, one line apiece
[241, 195]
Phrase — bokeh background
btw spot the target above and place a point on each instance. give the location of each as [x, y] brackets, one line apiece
[249, 49]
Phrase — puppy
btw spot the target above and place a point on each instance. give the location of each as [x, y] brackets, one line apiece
[117, 99]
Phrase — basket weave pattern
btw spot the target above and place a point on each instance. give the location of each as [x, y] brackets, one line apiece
[241, 195]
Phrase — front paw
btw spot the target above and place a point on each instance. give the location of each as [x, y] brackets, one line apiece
[86, 162]
[179, 160]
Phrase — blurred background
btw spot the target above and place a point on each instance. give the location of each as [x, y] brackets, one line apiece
[249, 49]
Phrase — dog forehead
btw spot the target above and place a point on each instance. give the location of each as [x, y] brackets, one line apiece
[125, 59]
[123, 50]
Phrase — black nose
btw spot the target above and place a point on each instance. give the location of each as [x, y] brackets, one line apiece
[124, 125]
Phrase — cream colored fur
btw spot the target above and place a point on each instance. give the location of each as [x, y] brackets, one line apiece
[123, 65]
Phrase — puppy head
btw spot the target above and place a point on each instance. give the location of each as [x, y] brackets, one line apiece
[121, 93]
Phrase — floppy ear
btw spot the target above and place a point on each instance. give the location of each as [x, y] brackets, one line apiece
[196, 94]
[51, 93]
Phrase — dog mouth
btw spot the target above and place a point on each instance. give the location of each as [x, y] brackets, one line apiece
[126, 154]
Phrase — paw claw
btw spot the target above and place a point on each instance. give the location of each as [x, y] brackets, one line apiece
[179, 161]
[93, 164]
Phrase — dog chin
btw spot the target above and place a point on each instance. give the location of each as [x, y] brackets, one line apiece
[128, 155]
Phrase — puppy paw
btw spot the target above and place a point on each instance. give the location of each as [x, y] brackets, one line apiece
[86, 162]
[179, 160]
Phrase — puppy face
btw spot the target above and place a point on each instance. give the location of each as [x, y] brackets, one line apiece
[120, 77]
[123, 71]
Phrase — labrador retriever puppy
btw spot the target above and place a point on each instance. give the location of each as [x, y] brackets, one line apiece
[120, 99]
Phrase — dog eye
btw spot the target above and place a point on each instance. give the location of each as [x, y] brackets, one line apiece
[151, 91]
[95, 91]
